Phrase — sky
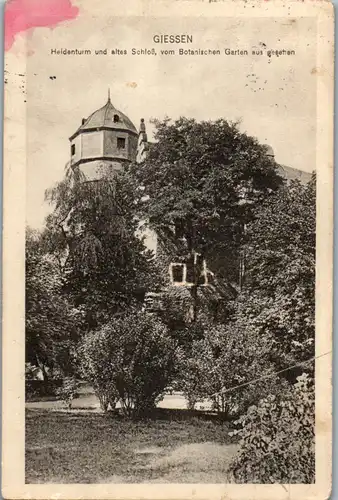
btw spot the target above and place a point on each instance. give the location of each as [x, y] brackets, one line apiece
[275, 98]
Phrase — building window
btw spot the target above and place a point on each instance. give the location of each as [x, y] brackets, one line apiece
[121, 143]
[191, 272]
[177, 272]
[116, 118]
[73, 149]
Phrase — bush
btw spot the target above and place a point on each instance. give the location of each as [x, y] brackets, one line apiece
[131, 359]
[37, 389]
[277, 438]
[95, 367]
[220, 358]
[207, 367]
[197, 379]
[67, 391]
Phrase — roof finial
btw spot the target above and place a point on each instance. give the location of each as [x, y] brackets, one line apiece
[108, 94]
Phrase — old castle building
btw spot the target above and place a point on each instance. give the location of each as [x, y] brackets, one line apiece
[107, 140]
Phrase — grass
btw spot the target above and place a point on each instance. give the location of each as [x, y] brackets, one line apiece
[73, 447]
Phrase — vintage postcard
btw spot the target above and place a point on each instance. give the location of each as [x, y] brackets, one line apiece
[168, 242]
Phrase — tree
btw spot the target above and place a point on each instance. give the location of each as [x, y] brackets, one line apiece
[50, 321]
[279, 298]
[108, 267]
[131, 359]
[272, 324]
[270, 327]
[202, 183]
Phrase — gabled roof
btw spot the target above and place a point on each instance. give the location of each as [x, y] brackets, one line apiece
[290, 174]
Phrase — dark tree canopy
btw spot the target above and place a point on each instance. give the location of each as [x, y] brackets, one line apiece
[107, 267]
[50, 322]
[281, 267]
[271, 325]
[202, 182]
[273, 322]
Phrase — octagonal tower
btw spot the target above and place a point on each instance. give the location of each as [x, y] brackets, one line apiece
[103, 143]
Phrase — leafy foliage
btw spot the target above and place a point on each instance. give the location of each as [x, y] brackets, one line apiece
[274, 326]
[200, 373]
[278, 304]
[50, 322]
[131, 359]
[67, 391]
[195, 178]
[270, 325]
[277, 438]
[108, 267]
[220, 359]
[205, 188]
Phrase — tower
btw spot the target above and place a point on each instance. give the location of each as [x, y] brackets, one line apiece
[105, 141]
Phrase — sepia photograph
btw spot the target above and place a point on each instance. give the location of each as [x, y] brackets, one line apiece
[169, 230]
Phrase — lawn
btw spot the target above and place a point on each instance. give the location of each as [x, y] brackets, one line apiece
[84, 447]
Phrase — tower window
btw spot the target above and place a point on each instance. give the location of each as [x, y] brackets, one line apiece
[121, 143]
[116, 118]
[73, 149]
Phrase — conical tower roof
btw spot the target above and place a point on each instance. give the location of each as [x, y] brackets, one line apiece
[107, 117]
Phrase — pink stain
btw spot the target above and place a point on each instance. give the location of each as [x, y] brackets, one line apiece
[21, 15]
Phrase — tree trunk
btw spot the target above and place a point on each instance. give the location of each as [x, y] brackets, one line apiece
[104, 403]
[42, 368]
[44, 373]
[242, 260]
[191, 403]
[194, 296]
[112, 403]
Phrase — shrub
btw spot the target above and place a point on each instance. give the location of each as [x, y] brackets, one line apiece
[37, 389]
[197, 379]
[132, 360]
[94, 366]
[220, 358]
[277, 438]
[67, 391]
